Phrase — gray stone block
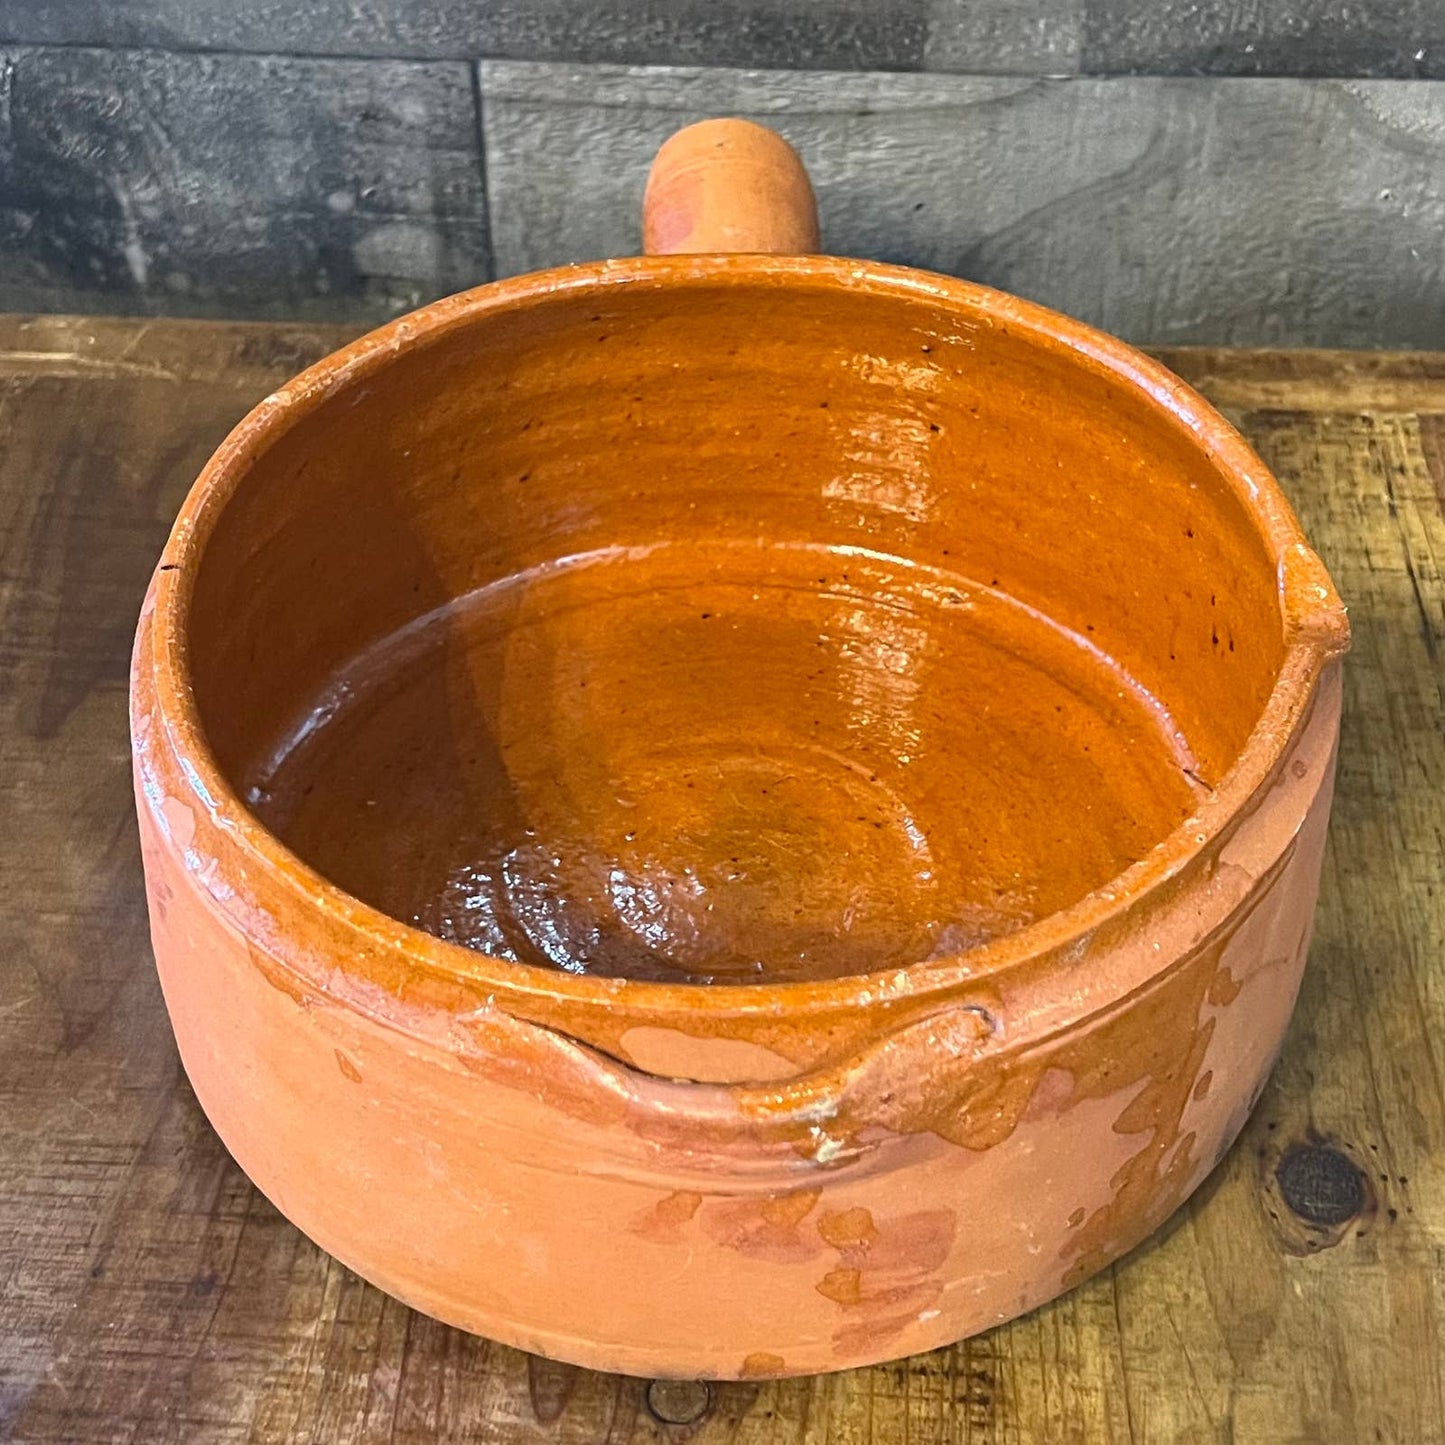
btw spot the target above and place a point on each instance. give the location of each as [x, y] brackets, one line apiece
[1266, 212]
[150, 182]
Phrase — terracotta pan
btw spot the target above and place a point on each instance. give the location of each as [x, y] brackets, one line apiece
[732, 815]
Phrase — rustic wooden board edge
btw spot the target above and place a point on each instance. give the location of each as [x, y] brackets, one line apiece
[148, 1293]
[183, 348]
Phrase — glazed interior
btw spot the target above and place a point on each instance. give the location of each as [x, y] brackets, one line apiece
[730, 631]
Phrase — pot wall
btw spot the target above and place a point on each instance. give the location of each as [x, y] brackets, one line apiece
[503, 1178]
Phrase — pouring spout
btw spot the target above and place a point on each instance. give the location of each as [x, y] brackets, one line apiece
[1314, 612]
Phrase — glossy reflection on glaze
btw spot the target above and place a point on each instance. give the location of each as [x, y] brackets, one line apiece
[728, 634]
[728, 761]
[899, 499]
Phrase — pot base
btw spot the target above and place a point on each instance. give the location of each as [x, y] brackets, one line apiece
[907, 763]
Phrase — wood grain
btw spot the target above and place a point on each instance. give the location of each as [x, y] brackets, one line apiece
[149, 1294]
[1384, 38]
[827, 34]
[1381, 38]
[1219, 212]
[147, 181]
[1184, 210]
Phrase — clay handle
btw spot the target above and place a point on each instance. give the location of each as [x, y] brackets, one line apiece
[728, 185]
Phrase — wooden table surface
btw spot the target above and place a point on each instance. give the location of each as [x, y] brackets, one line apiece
[148, 1293]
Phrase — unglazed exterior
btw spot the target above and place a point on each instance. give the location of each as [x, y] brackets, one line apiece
[732, 816]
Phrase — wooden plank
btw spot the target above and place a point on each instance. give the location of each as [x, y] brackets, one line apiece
[1209, 211]
[247, 353]
[1317, 381]
[827, 34]
[1382, 38]
[1379, 38]
[94, 468]
[999, 37]
[248, 357]
[993, 37]
[1215, 212]
[148, 1293]
[143, 181]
